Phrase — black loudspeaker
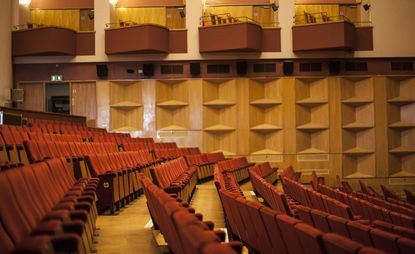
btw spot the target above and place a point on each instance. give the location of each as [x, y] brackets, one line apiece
[102, 70]
[241, 68]
[334, 67]
[195, 69]
[288, 68]
[148, 69]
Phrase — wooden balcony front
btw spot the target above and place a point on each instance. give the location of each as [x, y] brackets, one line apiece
[239, 37]
[313, 32]
[144, 39]
[52, 41]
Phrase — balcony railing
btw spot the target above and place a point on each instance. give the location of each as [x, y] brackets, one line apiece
[227, 18]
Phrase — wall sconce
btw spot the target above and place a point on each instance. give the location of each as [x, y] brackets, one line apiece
[182, 12]
[113, 2]
[274, 7]
[25, 2]
[366, 7]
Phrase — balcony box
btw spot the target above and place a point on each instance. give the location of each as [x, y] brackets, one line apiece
[145, 38]
[52, 41]
[340, 35]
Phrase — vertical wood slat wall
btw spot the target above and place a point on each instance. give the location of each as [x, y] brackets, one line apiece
[357, 127]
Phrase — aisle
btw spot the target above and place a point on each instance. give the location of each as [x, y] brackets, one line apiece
[126, 233]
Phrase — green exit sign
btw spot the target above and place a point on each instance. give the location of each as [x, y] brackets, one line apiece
[56, 78]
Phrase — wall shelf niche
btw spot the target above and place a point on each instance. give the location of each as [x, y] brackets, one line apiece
[358, 132]
[172, 101]
[401, 125]
[311, 113]
[125, 106]
[265, 118]
[219, 116]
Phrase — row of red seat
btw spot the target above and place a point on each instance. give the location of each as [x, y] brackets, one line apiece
[173, 153]
[118, 173]
[364, 234]
[134, 144]
[204, 163]
[45, 210]
[176, 177]
[237, 166]
[368, 210]
[225, 179]
[116, 170]
[393, 206]
[276, 199]
[184, 231]
[391, 200]
[267, 231]
[313, 199]
[265, 171]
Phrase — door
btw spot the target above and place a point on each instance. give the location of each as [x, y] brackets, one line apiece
[84, 99]
[34, 96]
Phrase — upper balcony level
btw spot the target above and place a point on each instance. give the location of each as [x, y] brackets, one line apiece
[320, 31]
[226, 33]
[47, 40]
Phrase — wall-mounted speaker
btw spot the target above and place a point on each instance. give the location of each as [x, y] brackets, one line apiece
[17, 95]
[102, 70]
[334, 67]
[195, 69]
[241, 68]
[148, 70]
[288, 68]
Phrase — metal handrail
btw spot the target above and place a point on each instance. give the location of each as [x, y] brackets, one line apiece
[29, 26]
[226, 18]
[122, 23]
[312, 19]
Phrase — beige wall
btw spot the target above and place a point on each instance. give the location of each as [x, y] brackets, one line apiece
[394, 35]
[6, 78]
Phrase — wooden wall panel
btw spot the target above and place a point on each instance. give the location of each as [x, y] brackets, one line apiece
[234, 11]
[150, 3]
[228, 102]
[34, 96]
[174, 20]
[265, 16]
[103, 104]
[62, 4]
[64, 18]
[142, 15]
[85, 22]
[330, 9]
[84, 99]
[241, 2]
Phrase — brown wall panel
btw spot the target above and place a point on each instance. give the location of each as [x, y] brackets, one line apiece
[242, 2]
[178, 41]
[271, 40]
[149, 3]
[84, 99]
[326, 1]
[85, 43]
[43, 115]
[34, 96]
[62, 4]
[364, 38]
[118, 70]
